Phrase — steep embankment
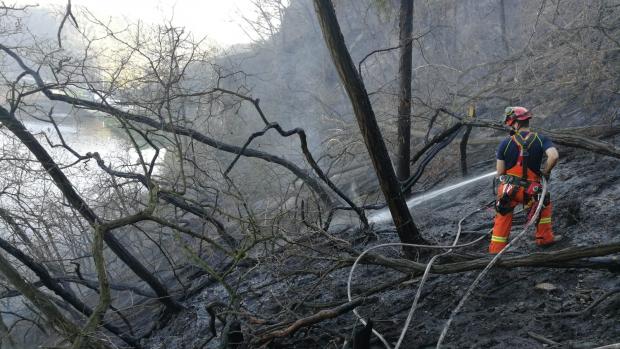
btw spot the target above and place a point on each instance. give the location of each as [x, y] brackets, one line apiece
[491, 53]
[510, 308]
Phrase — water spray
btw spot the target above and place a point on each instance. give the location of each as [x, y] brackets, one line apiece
[384, 215]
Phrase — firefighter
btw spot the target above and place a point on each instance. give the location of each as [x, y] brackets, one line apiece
[519, 159]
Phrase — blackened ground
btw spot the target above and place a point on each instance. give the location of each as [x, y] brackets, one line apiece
[508, 310]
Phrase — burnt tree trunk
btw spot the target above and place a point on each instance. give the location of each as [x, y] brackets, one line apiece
[406, 228]
[404, 92]
[471, 112]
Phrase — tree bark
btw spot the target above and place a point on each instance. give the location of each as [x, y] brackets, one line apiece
[463, 149]
[404, 92]
[311, 320]
[405, 226]
[471, 113]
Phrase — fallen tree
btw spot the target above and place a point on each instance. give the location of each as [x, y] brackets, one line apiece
[567, 137]
[573, 257]
[288, 328]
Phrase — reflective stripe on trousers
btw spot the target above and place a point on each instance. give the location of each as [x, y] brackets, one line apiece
[503, 223]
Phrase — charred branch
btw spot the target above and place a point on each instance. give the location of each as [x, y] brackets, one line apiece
[304, 146]
[438, 143]
[68, 15]
[290, 328]
[92, 284]
[568, 139]
[574, 257]
[403, 140]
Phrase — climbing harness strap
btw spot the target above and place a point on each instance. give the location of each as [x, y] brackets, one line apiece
[524, 146]
[512, 183]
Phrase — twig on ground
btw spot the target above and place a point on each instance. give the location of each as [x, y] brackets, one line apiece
[588, 308]
[313, 319]
[542, 338]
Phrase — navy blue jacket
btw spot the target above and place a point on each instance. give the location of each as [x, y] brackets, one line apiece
[508, 151]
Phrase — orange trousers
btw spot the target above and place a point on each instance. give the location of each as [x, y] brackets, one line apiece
[503, 223]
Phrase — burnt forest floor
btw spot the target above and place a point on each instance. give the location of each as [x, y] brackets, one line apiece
[507, 310]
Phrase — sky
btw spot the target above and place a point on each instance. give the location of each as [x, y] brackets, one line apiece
[218, 19]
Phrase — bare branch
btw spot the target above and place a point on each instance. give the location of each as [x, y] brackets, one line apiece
[68, 14]
[313, 319]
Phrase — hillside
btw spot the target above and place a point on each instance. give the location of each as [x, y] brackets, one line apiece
[158, 192]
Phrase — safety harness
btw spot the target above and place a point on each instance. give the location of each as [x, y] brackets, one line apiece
[524, 154]
[512, 182]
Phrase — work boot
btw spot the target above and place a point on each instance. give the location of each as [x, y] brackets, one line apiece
[556, 238]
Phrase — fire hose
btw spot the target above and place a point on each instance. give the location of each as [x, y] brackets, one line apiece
[533, 218]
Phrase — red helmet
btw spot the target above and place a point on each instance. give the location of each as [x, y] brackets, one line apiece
[512, 114]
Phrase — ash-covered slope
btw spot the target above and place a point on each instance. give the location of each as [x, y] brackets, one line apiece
[510, 308]
[492, 54]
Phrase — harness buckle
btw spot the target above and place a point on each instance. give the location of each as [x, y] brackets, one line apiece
[533, 188]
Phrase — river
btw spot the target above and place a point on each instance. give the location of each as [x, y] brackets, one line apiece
[85, 132]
